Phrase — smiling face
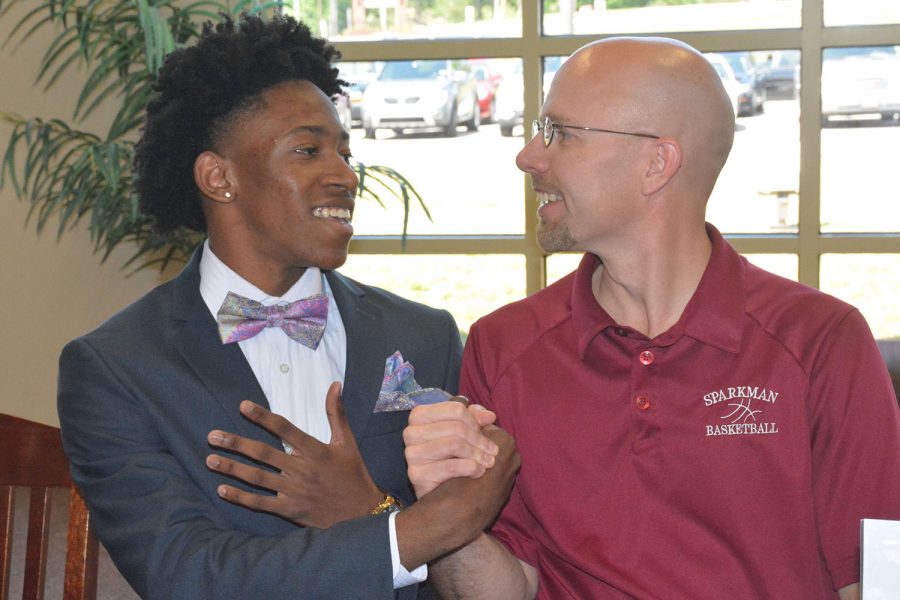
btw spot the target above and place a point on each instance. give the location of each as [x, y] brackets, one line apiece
[600, 191]
[290, 189]
[586, 181]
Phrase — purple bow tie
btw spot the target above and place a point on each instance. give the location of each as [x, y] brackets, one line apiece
[303, 321]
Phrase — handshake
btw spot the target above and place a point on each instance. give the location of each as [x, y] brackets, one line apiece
[449, 440]
[461, 467]
[446, 437]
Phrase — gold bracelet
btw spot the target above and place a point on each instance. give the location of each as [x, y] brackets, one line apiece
[389, 504]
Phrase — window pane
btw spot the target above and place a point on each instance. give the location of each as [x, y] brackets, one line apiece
[358, 76]
[757, 190]
[564, 17]
[511, 95]
[435, 122]
[510, 102]
[469, 286]
[861, 12]
[348, 20]
[560, 265]
[860, 114]
[870, 282]
[785, 265]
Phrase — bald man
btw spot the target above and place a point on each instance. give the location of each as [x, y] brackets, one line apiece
[689, 425]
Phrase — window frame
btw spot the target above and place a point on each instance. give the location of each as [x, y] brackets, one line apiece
[808, 243]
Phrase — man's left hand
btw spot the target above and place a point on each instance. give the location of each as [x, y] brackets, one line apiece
[317, 484]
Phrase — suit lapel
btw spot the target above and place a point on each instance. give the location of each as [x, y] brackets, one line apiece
[222, 367]
[365, 350]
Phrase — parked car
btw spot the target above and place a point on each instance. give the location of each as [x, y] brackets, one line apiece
[358, 75]
[511, 94]
[781, 76]
[342, 104]
[488, 79]
[752, 100]
[734, 88]
[861, 84]
[416, 94]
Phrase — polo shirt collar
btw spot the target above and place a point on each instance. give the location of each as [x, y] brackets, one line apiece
[588, 317]
[712, 316]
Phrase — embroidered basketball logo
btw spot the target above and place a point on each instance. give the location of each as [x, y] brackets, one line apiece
[741, 410]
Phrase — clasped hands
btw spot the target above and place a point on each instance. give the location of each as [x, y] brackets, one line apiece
[449, 440]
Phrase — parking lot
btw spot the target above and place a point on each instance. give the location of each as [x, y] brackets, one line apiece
[471, 186]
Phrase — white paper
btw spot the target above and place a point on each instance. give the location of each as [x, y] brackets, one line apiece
[880, 559]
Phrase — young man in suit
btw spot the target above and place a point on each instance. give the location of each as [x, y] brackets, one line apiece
[242, 142]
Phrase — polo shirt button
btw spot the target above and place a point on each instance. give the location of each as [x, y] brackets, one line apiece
[646, 357]
[642, 402]
[621, 331]
[285, 367]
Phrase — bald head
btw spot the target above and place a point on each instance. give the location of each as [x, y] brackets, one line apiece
[659, 86]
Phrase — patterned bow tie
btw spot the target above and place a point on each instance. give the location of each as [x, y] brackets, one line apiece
[303, 321]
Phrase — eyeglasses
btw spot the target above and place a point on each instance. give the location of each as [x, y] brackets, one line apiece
[548, 127]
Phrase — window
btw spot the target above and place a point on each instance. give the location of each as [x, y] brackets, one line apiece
[860, 118]
[439, 122]
[565, 17]
[861, 12]
[757, 191]
[809, 191]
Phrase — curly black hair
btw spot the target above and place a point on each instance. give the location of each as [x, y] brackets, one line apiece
[199, 93]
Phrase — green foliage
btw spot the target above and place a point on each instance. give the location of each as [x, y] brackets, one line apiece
[452, 11]
[613, 4]
[118, 46]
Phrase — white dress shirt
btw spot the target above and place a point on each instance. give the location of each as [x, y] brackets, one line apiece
[294, 378]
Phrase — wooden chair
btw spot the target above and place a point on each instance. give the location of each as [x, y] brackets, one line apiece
[31, 456]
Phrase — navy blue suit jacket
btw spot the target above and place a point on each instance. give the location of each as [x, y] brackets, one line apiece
[137, 398]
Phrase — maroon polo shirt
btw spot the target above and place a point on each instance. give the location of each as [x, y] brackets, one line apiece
[731, 456]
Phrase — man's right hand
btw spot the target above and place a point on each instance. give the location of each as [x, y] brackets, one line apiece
[317, 484]
[445, 441]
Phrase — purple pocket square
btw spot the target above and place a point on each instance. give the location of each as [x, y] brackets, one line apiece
[399, 390]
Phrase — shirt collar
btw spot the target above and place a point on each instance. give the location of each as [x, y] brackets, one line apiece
[588, 317]
[217, 279]
[712, 316]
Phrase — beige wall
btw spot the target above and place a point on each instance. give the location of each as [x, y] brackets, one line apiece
[53, 290]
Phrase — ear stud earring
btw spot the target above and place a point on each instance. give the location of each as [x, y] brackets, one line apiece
[228, 194]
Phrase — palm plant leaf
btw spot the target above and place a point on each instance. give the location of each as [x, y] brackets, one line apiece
[73, 175]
